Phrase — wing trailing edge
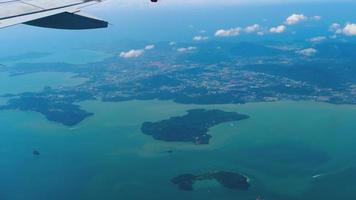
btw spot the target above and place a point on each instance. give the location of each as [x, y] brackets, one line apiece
[60, 14]
[67, 20]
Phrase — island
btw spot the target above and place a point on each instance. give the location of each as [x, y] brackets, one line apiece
[230, 180]
[192, 127]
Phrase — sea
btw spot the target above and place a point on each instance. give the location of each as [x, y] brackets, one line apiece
[289, 150]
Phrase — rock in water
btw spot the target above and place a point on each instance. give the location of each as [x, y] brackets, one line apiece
[35, 153]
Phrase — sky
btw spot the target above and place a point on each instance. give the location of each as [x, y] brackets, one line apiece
[230, 18]
[195, 21]
[201, 3]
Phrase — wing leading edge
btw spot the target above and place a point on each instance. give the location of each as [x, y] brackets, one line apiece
[60, 14]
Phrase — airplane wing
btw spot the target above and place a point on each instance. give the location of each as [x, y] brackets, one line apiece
[60, 14]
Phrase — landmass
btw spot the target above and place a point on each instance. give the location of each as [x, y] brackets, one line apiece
[192, 127]
[217, 72]
[230, 180]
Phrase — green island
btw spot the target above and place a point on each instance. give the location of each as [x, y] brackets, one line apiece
[230, 180]
[192, 127]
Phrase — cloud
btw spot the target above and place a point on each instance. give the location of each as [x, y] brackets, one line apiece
[172, 43]
[349, 29]
[186, 49]
[252, 28]
[295, 19]
[149, 47]
[260, 30]
[200, 38]
[255, 28]
[317, 39]
[335, 27]
[278, 29]
[307, 52]
[134, 53]
[228, 33]
[316, 18]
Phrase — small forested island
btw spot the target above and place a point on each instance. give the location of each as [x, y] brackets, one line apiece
[192, 127]
[230, 180]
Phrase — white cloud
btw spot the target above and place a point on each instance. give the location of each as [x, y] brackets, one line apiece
[316, 18]
[134, 53]
[255, 28]
[334, 27]
[295, 19]
[349, 29]
[172, 43]
[317, 39]
[252, 28]
[150, 47]
[278, 29]
[186, 49]
[200, 38]
[228, 33]
[307, 52]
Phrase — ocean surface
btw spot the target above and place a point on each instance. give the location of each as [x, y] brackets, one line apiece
[35, 82]
[289, 150]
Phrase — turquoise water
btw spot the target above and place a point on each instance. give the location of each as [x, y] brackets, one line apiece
[107, 157]
[36, 82]
[71, 56]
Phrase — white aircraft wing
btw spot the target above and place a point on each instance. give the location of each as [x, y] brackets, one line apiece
[61, 14]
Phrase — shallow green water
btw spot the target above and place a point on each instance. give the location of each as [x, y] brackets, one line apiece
[290, 150]
[70, 56]
[36, 81]
[74, 56]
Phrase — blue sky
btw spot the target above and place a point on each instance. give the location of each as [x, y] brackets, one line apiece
[173, 20]
[111, 4]
[184, 19]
